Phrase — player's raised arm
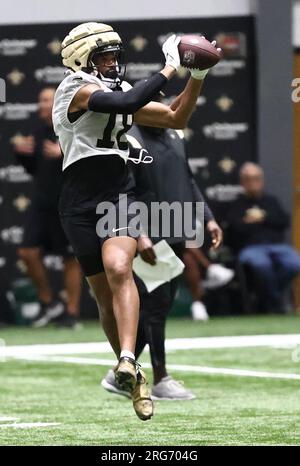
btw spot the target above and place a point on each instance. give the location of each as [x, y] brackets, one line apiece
[177, 114]
[92, 97]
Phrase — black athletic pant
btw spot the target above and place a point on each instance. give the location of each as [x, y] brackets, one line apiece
[154, 309]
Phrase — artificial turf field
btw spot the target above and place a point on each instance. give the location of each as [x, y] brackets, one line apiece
[235, 408]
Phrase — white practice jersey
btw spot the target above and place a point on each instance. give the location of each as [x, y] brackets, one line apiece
[92, 133]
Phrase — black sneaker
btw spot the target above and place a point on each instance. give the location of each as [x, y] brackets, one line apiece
[67, 320]
[47, 313]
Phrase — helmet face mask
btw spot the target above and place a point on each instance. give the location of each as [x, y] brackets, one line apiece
[107, 63]
[86, 44]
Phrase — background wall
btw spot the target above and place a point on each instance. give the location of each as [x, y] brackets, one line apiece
[275, 112]
[268, 13]
[220, 137]
[296, 23]
[35, 11]
[274, 37]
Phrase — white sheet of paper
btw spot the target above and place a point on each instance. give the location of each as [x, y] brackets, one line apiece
[167, 266]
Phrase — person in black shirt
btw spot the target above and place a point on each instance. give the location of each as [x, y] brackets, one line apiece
[41, 156]
[167, 179]
[257, 224]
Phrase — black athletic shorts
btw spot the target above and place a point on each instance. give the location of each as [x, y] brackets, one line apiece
[88, 183]
[43, 230]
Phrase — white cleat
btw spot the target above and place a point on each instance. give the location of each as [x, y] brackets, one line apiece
[199, 311]
[216, 276]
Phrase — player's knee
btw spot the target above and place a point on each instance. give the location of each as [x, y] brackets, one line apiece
[27, 254]
[293, 267]
[118, 269]
[290, 261]
[262, 269]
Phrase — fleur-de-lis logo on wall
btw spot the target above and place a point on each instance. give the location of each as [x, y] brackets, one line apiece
[139, 43]
[54, 46]
[15, 77]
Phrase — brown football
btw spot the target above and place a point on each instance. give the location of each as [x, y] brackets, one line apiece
[197, 52]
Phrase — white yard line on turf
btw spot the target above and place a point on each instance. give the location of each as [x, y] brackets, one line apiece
[29, 425]
[8, 419]
[171, 367]
[290, 340]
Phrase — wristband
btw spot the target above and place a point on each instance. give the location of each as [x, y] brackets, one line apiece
[199, 74]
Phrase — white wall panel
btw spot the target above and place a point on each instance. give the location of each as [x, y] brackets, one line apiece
[37, 11]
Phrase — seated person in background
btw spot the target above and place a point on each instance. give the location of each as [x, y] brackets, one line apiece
[257, 223]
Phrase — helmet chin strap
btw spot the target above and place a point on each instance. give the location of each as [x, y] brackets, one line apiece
[110, 81]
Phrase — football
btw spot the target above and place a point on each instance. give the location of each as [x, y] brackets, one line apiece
[197, 52]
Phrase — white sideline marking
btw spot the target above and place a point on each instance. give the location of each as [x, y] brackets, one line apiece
[73, 360]
[60, 352]
[29, 425]
[9, 419]
[171, 367]
[290, 340]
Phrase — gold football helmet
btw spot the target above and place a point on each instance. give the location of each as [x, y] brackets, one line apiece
[83, 42]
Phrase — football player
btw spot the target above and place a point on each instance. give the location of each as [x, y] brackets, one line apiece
[93, 109]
